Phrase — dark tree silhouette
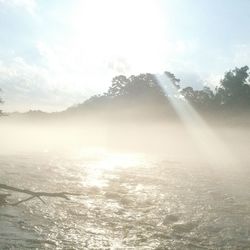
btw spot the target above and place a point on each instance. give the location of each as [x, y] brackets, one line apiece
[118, 86]
[140, 86]
[198, 98]
[173, 79]
[143, 94]
[234, 89]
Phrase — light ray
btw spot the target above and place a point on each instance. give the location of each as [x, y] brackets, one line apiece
[213, 148]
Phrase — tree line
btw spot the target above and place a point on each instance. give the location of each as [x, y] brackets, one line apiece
[145, 90]
[145, 93]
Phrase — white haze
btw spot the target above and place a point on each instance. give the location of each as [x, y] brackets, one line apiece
[168, 139]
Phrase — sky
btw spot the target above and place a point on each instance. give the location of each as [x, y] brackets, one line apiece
[54, 54]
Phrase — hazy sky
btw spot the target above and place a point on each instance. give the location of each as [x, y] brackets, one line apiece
[55, 53]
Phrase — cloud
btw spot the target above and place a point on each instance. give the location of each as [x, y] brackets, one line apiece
[74, 69]
[237, 56]
[28, 5]
[27, 86]
[119, 65]
[241, 55]
[213, 80]
[190, 79]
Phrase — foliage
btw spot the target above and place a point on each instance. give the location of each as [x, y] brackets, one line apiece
[140, 86]
[203, 97]
[143, 95]
[234, 89]
[144, 92]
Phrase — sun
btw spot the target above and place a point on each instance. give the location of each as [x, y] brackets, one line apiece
[117, 30]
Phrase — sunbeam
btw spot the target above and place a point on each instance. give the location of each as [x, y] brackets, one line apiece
[213, 148]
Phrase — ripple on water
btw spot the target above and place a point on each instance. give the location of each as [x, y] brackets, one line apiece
[157, 205]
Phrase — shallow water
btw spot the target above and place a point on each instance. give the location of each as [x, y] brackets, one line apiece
[129, 201]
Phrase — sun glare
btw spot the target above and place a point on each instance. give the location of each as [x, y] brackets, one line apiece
[104, 161]
[119, 32]
[211, 146]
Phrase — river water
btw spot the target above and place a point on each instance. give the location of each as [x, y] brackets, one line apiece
[129, 201]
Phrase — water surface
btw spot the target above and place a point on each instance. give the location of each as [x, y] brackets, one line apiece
[129, 201]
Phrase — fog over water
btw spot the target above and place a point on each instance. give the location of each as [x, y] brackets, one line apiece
[124, 124]
[143, 185]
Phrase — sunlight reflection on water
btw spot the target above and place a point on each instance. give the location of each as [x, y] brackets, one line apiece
[106, 161]
[128, 201]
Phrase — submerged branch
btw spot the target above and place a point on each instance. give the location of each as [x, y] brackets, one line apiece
[38, 195]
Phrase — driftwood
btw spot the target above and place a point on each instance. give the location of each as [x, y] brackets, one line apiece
[31, 194]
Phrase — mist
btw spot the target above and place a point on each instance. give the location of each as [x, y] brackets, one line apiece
[180, 175]
[124, 124]
[172, 138]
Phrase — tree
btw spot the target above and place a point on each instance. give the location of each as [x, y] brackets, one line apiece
[234, 89]
[198, 98]
[189, 94]
[136, 86]
[173, 79]
[145, 86]
[118, 86]
[137, 93]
